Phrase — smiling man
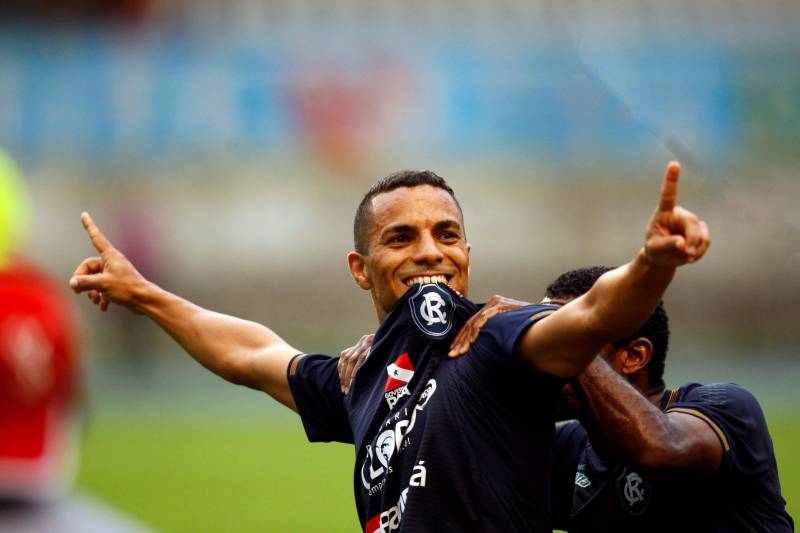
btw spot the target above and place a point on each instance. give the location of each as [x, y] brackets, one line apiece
[408, 211]
[441, 444]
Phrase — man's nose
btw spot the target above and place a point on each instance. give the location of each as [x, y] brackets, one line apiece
[427, 251]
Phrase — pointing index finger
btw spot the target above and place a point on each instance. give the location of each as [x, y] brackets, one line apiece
[669, 190]
[99, 240]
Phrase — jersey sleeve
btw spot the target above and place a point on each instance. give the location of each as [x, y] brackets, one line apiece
[315, 386]
[569, 444]
[734, 414]
[502, 333]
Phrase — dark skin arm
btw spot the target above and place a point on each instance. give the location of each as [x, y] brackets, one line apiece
[639, 433]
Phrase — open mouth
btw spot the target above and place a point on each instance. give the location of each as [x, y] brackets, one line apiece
[424, 280]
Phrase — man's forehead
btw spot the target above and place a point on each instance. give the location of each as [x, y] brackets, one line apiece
[407, 204]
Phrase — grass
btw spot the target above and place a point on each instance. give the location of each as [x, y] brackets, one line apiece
[785, 430]
[262, 475]
[226, 476]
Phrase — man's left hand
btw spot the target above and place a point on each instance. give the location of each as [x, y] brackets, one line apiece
[351, 359]
[675, 236]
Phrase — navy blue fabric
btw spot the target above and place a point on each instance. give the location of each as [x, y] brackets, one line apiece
[744, 495]
[327, 421]
[570, 441]
[468, 445]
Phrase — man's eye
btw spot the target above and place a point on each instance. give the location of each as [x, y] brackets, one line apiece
[449, 236]
[398, 239]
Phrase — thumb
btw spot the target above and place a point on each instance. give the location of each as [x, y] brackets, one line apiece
[666, 245]
[87, 282]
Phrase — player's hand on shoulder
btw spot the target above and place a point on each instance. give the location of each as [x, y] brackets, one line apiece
[109, 277]
[675, 236]
[472, 328]
[351, 359]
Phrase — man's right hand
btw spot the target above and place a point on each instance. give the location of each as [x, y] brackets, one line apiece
[108, 278]
[240, 351]
[469, 332]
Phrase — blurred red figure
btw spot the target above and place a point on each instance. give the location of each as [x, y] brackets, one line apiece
[38, 386]
[40, 392]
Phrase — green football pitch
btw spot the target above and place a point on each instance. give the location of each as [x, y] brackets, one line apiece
[260, 474]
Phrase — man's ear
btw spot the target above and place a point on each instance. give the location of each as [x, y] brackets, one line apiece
[359, 271]
[634, 356]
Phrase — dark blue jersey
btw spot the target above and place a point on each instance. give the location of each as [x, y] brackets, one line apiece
[441, 444]
[590, 494]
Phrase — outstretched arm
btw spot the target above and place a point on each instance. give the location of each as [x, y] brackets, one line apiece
[240, 351]
[639, 433]
[564, 343]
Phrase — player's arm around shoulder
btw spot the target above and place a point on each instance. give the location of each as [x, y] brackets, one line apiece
[240, 351]
[640, 433]
[693, 446]
[733, 416]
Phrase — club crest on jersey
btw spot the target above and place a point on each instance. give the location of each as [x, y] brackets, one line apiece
[399, 374]
[432, 310]
[633, 492]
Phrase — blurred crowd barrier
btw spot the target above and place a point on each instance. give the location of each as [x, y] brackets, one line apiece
[352, 81]
[272, 248]
[225, 145]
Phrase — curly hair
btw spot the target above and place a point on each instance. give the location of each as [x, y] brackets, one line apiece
[656, 329]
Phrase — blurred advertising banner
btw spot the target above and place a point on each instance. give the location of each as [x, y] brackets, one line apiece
[555, 93]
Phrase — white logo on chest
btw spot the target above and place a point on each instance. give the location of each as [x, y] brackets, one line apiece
[431, 309]
[633, 491]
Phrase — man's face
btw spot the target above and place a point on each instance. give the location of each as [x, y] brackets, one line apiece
[415, 233]
[569, 405]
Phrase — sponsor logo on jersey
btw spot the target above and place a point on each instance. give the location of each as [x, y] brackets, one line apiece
[633, 492]
[581, 480]
[399, 374]
[376, 464]
[394, 438]
[431, 310]
[389, 520]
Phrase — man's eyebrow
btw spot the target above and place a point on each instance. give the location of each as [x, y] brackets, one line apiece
[445, 224]
[408, 228]
[398, 228]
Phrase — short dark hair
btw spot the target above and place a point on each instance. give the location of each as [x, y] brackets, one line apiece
[402, 178]
[656, 329]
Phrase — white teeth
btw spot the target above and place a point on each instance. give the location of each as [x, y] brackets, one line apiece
[426, 280]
